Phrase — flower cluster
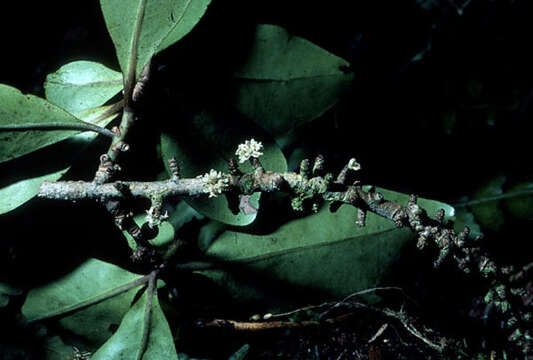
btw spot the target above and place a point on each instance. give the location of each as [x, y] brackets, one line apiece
[250, 149]
[215, 182]
[154, 217]
[354, 165]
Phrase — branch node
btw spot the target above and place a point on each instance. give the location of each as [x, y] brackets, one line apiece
[256, 164]
[174, 167]
[142, 83]
[120, 146]
[350, 168]
[155, 215]
[233, 167]
[462, 237]
[305, 169]
[106, 170]
[412, 200]
[361, 218]
[439, 216]
[318, 166]
[116, 130]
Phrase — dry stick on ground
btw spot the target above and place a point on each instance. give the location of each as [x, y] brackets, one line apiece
[240, 326]
[272, 325]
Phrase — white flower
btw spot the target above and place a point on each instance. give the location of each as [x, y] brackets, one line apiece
[250, 149]
[153, 218]
[214, 182]
[354, 165]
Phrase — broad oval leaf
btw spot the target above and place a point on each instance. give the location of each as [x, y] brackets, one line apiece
[76, 300]
[126, 343]
[19, 109]
[81, 85]
[22, 177]
[160, 23]
[208, 141]
[287, 81]
[325, 253]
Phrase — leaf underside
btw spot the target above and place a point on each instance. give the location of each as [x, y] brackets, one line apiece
[325, 253]
[82, 85]
[126, 343]
[22, 177]
[287, 81]
[19, 109]
[72, 300]
[163, 23]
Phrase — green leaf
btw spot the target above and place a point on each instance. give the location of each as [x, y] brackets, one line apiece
[126, 343]
[21, 178]
[85, 301]
[287, 81]
[81, 85]
[208, 141]
[488, 213]
[17, 109]
[324, 253]
[160, 23]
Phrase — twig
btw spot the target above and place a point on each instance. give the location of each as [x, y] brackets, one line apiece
[342, 354]
[335, 304]
[378, 333]
[368, 291]
[314, 189]
[108, 162]
[411, 329]
[272, 325]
